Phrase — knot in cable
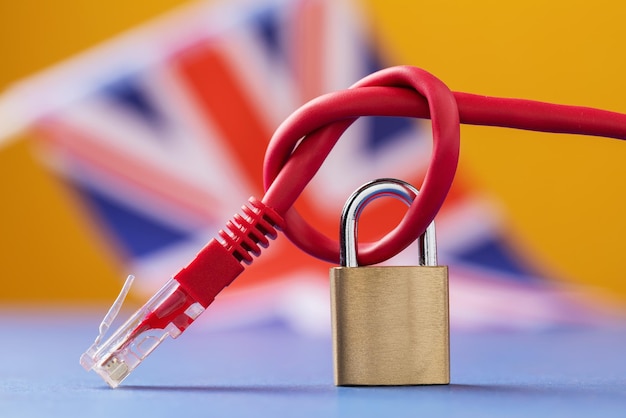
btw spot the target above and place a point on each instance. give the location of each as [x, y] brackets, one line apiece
[303, 141]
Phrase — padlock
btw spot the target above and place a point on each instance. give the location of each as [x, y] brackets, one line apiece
[390, 324]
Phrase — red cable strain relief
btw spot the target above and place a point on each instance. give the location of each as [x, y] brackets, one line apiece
[218, 264]
[247, 234]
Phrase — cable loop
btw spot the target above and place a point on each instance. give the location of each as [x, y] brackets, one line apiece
[302, 142]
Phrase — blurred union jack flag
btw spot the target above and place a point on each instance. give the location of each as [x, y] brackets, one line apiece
[162, 134]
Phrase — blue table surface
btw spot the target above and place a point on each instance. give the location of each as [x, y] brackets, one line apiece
[271, 371]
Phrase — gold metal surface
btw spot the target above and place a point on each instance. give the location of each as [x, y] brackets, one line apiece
[390, 325]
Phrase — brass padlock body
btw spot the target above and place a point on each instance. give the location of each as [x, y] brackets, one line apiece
[390, 325]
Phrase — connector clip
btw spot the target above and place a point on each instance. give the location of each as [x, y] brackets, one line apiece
[168, 313]
[183, 298]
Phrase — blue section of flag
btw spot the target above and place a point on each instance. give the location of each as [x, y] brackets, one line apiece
[493, 253]
[383, 131]
[132, 97]
[137, 234]
[267, 25]
[386, 131]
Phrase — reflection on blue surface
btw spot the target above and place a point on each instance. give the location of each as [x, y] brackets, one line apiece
[273, 372]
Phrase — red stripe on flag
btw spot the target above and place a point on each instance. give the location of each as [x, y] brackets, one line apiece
[128, 170]
[223, 100]
[307, 49]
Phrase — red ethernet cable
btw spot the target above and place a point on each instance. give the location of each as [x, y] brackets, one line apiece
[294, 155]
[322, 121]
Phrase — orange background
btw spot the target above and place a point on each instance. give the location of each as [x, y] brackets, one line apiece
[563, 195]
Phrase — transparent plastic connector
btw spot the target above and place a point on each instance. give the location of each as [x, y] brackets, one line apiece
[168, 313]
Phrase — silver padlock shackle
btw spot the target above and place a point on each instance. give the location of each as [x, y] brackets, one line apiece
[367, 193]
